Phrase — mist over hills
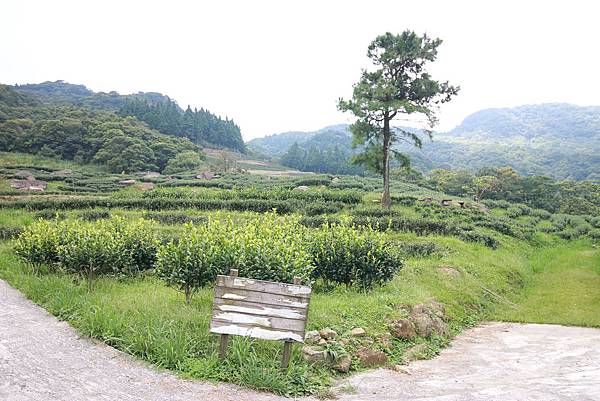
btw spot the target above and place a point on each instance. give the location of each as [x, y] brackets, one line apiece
[555, 139]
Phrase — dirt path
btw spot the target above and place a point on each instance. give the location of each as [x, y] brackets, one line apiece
[44, 359]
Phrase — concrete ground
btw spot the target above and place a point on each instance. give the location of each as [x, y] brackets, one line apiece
[44, 359]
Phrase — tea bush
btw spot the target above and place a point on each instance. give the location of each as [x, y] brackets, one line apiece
[114, 246]
[175, 218]
[420, 249]
[93, 215]
[348, 255]
[39, 242]
[268, 248]
[8, 232]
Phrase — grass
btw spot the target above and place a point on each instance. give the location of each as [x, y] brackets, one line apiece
[565, 289]
[147, 319]
[26, 159]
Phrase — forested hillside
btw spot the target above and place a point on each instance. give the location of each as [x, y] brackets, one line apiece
[555, 140]
[157, 110]
[86, 135]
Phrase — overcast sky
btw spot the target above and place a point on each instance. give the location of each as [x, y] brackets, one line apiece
[277, 66]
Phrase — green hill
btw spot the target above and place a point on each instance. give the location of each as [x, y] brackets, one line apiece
[556, 140]
[158, 111]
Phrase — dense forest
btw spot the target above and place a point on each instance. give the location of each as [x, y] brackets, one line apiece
[85, 135]
[555, 140]
[156, 110]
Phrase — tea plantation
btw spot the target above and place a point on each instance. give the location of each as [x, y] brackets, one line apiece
[133, 264]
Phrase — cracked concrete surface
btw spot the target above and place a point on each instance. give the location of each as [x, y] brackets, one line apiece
[44, 359]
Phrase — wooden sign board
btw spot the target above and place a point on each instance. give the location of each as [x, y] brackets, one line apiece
[260, 309]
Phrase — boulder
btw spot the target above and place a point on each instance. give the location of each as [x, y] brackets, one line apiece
[404, 329]
[416, 352]
[327, 333]
[301, 188]
[314, 354]
[358, 332]
[335, 180]
[370, 357]
[429, 319]
[386, 340]
[62, 173]
[343, 363]
[23, 174]
[206, 175]
[127, 182]
[312, 337]
[146, 186]
[30, 184]
[402, 369]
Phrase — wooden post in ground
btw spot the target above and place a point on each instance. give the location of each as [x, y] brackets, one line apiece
[287, 346]
[225, 337]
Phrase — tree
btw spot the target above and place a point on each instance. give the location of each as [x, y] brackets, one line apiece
[399, 85]
[483, 184]
[185, 161]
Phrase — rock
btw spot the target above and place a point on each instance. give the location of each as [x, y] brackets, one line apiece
[358, 332]
[402, 369]
[429, 319]
[370, 357]
[29, 185]
[386, 340]
[344, 342]
[449, 271]
[343, 363]
[314, 354]
[62, 173]
[327, 333]
[335, 180]
[146, 186]
[404, 329]
[206, 175]
[127, 182]
[416, 352]
[312, 337]
[322, 341]
[301, 188]
[23, 173]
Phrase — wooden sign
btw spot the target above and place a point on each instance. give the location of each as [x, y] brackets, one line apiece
[260, 309]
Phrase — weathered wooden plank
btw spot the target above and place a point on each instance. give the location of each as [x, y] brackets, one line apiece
[237, 294]
[256, 308]
[259, 321]
[295, 290]
[220, 327]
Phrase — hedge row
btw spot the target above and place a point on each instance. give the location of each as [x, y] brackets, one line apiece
[269, 247]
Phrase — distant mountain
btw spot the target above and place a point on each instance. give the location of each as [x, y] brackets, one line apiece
[556, 140]
[155, 109]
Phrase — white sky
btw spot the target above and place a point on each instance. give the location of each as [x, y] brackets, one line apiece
[277, 66]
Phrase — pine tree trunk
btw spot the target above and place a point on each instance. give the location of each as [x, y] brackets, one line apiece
[386, 200]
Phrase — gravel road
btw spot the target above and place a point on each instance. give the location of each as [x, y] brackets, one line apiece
[44, 359]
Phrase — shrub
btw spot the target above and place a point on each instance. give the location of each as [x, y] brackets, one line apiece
[39, 242]
[419, 249]
[176, 218]
[93, 215]
[315, 209]
[267, 248]
[343, 254]
[8, 232]
[114, 246]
